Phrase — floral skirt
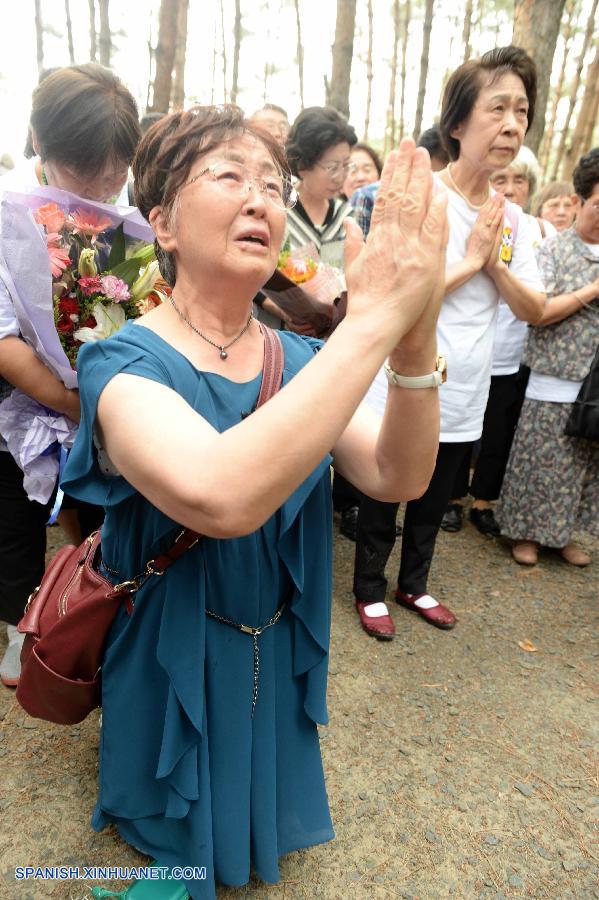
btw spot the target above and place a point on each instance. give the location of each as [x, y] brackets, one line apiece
[551, 484]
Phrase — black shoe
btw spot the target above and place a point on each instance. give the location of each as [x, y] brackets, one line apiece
[349, 522]
[484, 520]
[452, 520]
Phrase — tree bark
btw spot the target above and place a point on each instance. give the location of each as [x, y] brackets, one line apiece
[586, 118]
[105, 38]
[343, 50]
[559, 88]
[224, 49]
[93, 45]
[178, 97]
[165, 56]
[39, 36]
[67, 12]
[536, 27]
[407, 13]
[426, 40]
[466, 30]
[390, 129]
[574, 91]
[237, 46]
[300, 52]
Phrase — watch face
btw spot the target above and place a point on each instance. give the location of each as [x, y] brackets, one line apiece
[442, 368]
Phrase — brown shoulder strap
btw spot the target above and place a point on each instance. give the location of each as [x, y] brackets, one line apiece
[272, 376]
[272, 369]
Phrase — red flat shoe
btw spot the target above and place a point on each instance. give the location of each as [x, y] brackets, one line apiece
[438, 615]
[376, 620]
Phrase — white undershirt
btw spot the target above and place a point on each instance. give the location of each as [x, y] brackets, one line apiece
[548, 387]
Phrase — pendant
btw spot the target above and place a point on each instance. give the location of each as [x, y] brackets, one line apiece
[223, 353]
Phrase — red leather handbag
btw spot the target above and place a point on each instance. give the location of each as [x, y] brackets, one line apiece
[67, 618]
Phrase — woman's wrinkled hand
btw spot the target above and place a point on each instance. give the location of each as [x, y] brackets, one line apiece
[482, 245]
[396, 279]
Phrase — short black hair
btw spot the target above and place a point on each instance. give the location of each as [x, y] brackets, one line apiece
[377, 161]
[464, 86]
[83, 117]
[586, 173]
[431, 140]
[315, 130]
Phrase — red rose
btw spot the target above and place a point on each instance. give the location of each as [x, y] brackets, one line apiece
[65, 325]
[90, 322]
[68, 305]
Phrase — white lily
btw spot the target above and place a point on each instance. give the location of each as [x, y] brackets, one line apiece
[146, 281]
[109, 319]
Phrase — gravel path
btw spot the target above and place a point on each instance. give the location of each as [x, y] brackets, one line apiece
[458, 763]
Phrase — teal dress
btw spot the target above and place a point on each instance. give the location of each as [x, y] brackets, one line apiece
[187, 774]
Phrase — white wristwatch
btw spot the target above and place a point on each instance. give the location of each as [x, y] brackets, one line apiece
[439, 376]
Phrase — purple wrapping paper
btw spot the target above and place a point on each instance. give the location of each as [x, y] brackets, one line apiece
[29, 428]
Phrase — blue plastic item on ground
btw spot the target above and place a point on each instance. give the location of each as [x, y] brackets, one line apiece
[146, 889]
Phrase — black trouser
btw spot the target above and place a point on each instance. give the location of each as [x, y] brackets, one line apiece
[345, 494]
[23, 538]
[506, 396]
[376, 531]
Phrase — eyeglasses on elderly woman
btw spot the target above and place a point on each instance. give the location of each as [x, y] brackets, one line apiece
[235, 180]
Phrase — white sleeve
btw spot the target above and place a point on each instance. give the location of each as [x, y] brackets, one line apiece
[9, 327]
[524, 260]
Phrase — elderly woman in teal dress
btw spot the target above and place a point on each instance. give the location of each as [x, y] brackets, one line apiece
[191, 772]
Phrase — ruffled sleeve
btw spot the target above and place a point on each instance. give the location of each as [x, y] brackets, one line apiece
[99, 362]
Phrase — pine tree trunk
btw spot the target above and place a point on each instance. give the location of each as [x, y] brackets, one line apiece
[466, 30]
[93, 45]
[574, 91]
[165, 55]
[213, 83]
[67, 12]
[39, 36]
[343, 51]
[224, 49]
[368, 73]
[300, 53]
[426, 40]
[407, 14]
[586, 118]
[592, 121]
[178, 97]
[390, 130]
[536, 27]
[105, 39]
[559, 88]
[237, 46]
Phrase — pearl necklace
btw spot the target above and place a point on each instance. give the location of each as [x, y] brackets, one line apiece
[461, 193]
[222, 347]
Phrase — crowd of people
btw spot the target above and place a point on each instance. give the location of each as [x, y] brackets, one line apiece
[467, 322]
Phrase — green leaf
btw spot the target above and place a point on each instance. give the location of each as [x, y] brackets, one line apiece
[128, 270]
[117, 251]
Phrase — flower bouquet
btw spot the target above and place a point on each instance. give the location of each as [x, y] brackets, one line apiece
[304, 288]
[75, 271]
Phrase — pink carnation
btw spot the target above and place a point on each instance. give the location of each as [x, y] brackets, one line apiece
[114, 288]
[90, 284]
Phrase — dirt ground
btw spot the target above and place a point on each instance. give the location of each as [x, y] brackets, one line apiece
[458, 763]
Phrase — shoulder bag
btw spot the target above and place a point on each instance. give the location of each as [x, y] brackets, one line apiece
[68, 617]
[583, 421]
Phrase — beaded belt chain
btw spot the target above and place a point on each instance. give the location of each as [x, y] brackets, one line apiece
[255, 634]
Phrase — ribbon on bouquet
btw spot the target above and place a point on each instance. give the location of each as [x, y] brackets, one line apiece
[64, 454]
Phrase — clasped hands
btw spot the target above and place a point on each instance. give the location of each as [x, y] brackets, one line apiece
[396, 279]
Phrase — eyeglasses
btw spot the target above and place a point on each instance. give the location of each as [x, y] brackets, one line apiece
[594, 206]
[234, 179]
[334, 169]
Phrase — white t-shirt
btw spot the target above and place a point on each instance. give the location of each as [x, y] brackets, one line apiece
[466, 327]
[510, 333]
